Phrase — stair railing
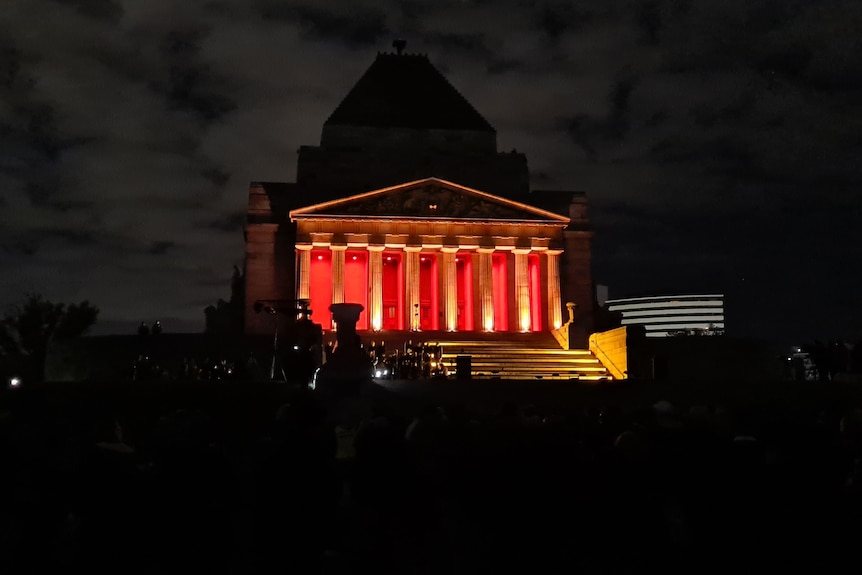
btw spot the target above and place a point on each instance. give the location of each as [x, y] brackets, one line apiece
[563, 333]
[605, 359]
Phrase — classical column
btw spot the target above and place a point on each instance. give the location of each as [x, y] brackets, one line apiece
[522, 289]
[555, 306]
[411, 279]
[486, 288]
[303, 284]
[375, 280]
[450, 293]
[338, 273]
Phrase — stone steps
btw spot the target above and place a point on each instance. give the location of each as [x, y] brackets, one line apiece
[524, 356]
[517, 360]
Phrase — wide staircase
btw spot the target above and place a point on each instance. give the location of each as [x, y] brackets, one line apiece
[533, 356]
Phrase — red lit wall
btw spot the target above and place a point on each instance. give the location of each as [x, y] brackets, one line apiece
[428, 303]
[393, 291]
[320, 287]
[356, 283]
[500, 278]
[464, 271]
[535, 292]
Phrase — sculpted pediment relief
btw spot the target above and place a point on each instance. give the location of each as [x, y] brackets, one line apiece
[430, 198]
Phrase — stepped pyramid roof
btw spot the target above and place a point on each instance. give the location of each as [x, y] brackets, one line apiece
[406, 91]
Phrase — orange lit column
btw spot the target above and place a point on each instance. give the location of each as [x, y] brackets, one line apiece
[555, 305]
[411, 278]
[486, 288]
[450, 276]
[522, 289]
[375, 271]
[338, 273]
[303, 284]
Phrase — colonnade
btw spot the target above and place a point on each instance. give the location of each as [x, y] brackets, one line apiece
[530, 278]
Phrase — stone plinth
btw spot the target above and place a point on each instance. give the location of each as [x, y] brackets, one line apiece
[349, 367]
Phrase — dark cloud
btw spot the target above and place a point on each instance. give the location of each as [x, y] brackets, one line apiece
[24, 247]
[191, 85]
[649, 20]
[718, 140]
[556, 19]
[216, 176]
[721, 157]
[73, 236]
[358, 26]
[504, 66]
[10, 66]
[229, 223]
[160, 248]
[104, 10]
[40, 194]
[580, 129]
[473, 42]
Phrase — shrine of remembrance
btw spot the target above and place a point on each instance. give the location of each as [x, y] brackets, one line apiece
[407, 207]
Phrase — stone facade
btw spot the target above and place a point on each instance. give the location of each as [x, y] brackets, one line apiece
[389, 177]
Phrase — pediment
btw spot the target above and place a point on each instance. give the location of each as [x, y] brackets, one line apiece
[431, 198]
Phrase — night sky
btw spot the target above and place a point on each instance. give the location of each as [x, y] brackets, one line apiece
[719, 141]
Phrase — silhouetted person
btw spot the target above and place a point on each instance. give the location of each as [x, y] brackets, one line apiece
[143, 329]
[295, 489]
[157, 328]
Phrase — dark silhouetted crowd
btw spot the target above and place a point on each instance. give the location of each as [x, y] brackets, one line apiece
[430, 489]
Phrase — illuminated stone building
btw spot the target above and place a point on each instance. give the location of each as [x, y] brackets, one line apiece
[407, 207]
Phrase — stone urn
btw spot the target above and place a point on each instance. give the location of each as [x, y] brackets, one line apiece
[349, 368]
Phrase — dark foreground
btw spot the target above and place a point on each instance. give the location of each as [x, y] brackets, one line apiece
[431, 477]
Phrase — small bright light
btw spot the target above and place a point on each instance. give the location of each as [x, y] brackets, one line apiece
[423, 259]
[14, 381]
[354, 258]
[388, 258]
[378, 373]
[296, 348]
[320, 257]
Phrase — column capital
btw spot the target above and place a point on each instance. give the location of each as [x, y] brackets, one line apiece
[553, 252]
[449, 250]
[412, 249]
[522, 251]
[335, 248]
[304, 247]
[375, 248]
[486, 250]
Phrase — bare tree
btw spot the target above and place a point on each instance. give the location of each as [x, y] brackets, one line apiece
[27, 330]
